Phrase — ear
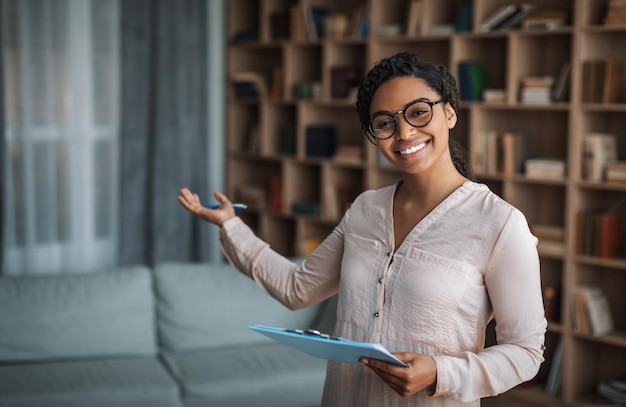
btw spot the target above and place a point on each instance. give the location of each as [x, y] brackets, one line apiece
[451, 116]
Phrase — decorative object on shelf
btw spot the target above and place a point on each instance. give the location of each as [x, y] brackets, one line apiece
[344, 81]
[320, 140]
[599, 149]
[307, 90]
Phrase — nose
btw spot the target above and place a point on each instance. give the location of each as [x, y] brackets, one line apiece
[403, 128]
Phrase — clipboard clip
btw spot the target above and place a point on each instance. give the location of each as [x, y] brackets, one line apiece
[314, 332]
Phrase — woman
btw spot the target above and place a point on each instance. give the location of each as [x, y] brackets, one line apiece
[420, 266]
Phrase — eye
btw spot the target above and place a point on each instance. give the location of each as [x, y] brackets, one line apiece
[417, 112]
[381, 123]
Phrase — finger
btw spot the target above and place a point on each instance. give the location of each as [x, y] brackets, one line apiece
[221, 198]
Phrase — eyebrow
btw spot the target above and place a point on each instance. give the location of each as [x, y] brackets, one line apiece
[381, 112]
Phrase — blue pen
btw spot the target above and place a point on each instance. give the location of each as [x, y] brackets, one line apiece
[236, 206]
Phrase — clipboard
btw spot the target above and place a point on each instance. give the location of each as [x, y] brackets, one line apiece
[328, 347]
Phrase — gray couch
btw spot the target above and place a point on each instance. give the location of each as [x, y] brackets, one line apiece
[175, 335]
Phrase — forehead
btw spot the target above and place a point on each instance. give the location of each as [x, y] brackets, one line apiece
[394, 94]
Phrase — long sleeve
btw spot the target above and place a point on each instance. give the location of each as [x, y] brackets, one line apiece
[514, 288]
[295, 286]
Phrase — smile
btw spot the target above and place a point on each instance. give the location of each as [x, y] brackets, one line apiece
[413, 149]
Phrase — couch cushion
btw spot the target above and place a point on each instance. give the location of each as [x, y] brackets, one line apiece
[202, 305]
[75, 315]
[106, 383]
[260, 375]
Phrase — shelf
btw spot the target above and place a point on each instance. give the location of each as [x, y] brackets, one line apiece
[555, 130]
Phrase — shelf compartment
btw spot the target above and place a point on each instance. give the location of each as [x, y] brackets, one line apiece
[303, 71]
[595, 362]
[243, 128]
[541, 204]
[340, 187]
[302, 186]
[279, 129]
[310, 234]
[347, 130]
[612, 283]
[551, 52]
[546, 132]
[250, 176]
[278, 231]
[343, 69]
[432, 49]
[489, 51]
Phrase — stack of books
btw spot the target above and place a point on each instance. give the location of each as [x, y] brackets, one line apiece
[616, 171]
[545, 168]
[536, 89]
[614, 391]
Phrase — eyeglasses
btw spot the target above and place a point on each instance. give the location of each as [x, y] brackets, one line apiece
[417, 113]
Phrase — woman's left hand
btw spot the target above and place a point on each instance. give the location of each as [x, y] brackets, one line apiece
[406, 381]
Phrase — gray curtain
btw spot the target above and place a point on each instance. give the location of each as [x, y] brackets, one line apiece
[164, 130]
[2, 153]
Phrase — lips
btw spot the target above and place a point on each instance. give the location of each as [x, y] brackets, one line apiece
[414, 149]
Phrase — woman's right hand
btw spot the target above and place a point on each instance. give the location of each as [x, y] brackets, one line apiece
[218, 216]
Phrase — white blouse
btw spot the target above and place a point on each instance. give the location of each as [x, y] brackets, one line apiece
[470, 259]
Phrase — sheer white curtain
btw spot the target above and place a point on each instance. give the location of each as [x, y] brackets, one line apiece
[61, 74]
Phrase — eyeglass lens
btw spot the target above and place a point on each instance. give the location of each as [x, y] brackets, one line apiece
[417, 115]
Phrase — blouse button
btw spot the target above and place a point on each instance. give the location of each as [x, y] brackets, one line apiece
[380, 280]
[376, 314]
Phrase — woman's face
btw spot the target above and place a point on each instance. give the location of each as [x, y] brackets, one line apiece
[414, 150]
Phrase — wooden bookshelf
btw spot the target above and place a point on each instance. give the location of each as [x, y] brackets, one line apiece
[267, 139]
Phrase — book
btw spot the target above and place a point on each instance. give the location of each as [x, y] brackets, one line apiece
[497, 17]
[615, 171]
[593, 81]
[599, 149]
[553, 384]
[515, 19]
[474, 79]
[613, 80]
[560, 90]
[545, 168]
[593, 313]
[515, 151]
[414, 18]
[544, 19]
[608, 235]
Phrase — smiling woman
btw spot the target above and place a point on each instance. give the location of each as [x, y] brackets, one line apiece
[420, 266]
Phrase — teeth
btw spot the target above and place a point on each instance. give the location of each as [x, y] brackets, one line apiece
[412, 149]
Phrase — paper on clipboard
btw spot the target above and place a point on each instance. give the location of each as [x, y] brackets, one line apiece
[327, 347]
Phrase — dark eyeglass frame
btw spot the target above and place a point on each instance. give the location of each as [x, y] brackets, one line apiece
[403, 111]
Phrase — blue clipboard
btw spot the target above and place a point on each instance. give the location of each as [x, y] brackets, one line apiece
[328, 347]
